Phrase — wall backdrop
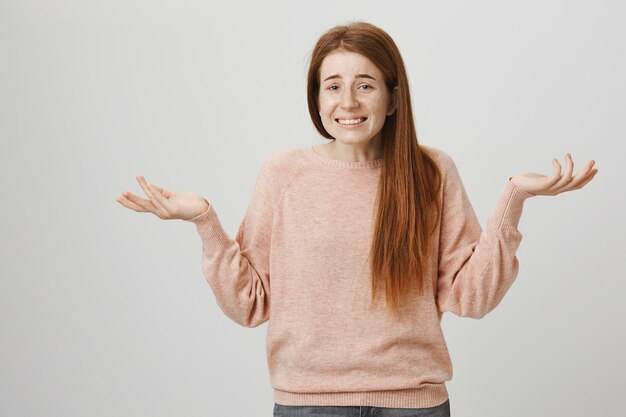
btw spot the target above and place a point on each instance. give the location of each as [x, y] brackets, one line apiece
[105, 312]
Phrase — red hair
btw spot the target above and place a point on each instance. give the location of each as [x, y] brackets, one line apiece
[410, 180]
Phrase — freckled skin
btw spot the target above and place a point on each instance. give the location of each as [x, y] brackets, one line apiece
[351, 96]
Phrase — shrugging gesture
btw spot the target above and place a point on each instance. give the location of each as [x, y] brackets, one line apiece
[555, 183]
[166, 205]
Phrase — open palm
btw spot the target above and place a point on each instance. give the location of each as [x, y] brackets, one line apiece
[557, 182]
[166, 205]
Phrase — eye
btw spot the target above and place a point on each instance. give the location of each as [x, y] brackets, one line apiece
[369, 87]
[331, 87]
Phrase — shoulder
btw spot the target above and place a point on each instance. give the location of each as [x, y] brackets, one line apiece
[284, 162]
[443, 160]
[281, 168]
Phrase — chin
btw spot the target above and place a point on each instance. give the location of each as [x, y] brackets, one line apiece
[352, 140]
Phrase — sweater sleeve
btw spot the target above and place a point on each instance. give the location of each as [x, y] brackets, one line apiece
[238, 270]
[476, 267]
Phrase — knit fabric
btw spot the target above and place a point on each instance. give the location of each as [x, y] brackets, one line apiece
[299, 262]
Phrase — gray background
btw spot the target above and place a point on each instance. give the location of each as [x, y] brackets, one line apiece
[105, 311]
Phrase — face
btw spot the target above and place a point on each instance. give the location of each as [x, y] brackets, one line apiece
[353, 98]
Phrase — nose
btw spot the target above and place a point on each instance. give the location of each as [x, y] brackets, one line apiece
[347, 99]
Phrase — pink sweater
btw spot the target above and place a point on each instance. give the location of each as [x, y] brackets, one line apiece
[299, 262]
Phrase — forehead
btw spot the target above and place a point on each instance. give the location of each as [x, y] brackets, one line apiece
[348, 64]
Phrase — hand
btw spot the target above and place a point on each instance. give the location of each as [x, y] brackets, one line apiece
[556, 183]
[167, 205]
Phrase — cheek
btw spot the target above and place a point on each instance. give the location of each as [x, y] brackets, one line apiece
[325, 113]
[381, 105]
[325, 106]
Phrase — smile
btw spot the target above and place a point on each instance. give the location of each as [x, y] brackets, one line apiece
[351, 122]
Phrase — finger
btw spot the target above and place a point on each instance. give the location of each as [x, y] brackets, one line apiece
[162, 190]
[138, 201]
[556, 173]
[580, 179]
[569, 168]
[566, 178]
[589, 177]
[582, 175]
[144, 184]
[161, 199]
[563, 178]
[127, 203]
[156, 187]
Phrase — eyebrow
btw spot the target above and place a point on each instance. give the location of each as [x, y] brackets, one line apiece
[357, 76]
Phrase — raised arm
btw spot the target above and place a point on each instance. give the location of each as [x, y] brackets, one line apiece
[238, 270]
[476, 267]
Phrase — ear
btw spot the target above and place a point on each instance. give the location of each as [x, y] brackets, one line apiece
[393, 101]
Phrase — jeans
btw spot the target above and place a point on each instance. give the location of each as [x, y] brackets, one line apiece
[442, 410]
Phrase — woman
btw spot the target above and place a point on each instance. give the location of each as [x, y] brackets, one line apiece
[354, 249]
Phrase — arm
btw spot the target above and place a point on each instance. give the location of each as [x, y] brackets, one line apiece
[238, 270]
[476, 267]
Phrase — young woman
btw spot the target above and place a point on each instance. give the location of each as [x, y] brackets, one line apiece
[353, 250]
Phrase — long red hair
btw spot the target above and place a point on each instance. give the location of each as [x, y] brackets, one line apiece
[410, 180]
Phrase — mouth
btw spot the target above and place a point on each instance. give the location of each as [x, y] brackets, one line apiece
[350, 122]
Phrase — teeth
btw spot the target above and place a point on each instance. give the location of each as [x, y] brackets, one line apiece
[350, 121]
